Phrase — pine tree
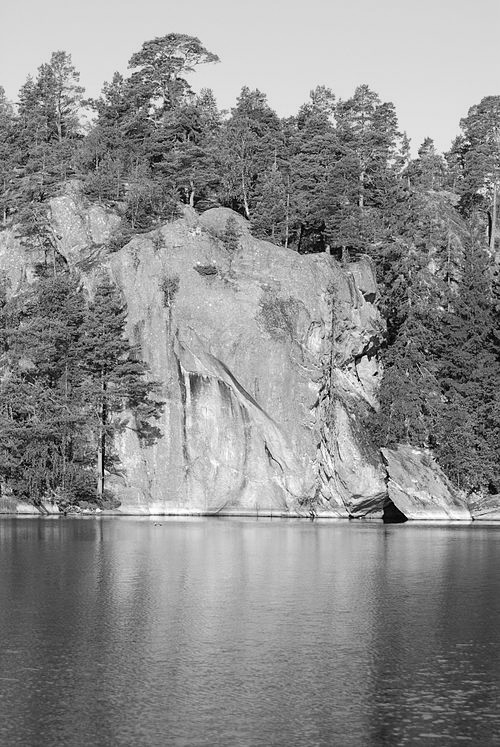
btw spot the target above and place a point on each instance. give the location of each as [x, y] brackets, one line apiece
[311, 196]
[480, 183]
[160, 67]
[410, 394]
[469, 374]
[41, 416]
[249, 144]
[428, 171]
[8, 157]
[114, 377]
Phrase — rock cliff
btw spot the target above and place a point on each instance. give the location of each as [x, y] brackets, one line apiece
[268, 367]
[261, 354]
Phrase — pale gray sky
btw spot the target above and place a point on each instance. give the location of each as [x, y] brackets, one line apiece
[432, 58]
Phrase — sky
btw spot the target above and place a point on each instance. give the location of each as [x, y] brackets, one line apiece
[432, 58]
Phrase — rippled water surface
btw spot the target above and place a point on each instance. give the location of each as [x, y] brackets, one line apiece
[245, 632]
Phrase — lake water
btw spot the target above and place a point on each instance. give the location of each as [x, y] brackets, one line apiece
[115, 631]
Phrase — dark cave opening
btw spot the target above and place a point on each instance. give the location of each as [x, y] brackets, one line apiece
[392, 514]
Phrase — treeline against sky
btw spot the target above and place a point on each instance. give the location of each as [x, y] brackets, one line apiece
[336, 177]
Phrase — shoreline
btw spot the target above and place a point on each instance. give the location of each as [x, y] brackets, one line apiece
[323, 518]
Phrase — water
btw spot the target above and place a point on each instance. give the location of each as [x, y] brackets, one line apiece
[245, 632]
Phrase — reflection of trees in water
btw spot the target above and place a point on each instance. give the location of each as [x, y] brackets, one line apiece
[430, 671]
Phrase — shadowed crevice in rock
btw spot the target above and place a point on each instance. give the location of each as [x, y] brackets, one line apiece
[182, 388]
[392, 514]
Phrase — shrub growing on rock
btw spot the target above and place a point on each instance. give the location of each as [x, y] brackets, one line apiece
[169, 285]
[231, 235]
[278, 315]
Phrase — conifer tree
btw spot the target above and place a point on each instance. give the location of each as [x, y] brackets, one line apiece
[249, 144]
[160, 66]
[114, 377]
[469, 374]
[8, 157]
[480, 184]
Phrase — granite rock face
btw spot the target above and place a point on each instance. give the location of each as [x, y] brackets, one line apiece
[248, 350]
[484, 507]
[419, 489]
[266, 361]
[268, 367]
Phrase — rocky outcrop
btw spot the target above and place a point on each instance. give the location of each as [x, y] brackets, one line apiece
[265, 358]
[268, 368]
[82, 229]
[484, 507]
[248, 351]
[419, 489]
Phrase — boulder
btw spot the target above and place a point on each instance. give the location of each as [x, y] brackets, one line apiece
[418, 487]
[484, 507]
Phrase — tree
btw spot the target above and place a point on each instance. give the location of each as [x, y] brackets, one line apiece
[160, 67]
[428, 171]
[60, 94]
[249, 145]
[40, 413]
[49, 106]
[469, 373]
[367, 130]
[69, 374]
[114, 377]
[481, 161]
[8, 156]
[312, 152]
[270, 211]
[231, 235]
[410, 393]
[183, 150]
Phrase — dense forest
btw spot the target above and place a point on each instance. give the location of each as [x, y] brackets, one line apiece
[337, 177]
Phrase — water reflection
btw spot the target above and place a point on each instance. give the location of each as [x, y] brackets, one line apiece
[204, 632]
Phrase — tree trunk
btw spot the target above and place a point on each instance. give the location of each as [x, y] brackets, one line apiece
[101, 441]
[287, 214]
[301, 234]
[59, 121]
[361, 195]
[494, 219]
[100, 462]
[245, 198]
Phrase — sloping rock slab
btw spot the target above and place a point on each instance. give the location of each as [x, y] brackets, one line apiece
[9, 505]
[485, 507]
[419, 488]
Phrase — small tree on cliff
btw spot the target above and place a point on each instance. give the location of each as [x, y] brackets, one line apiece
[114, 377]
[231, 235]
